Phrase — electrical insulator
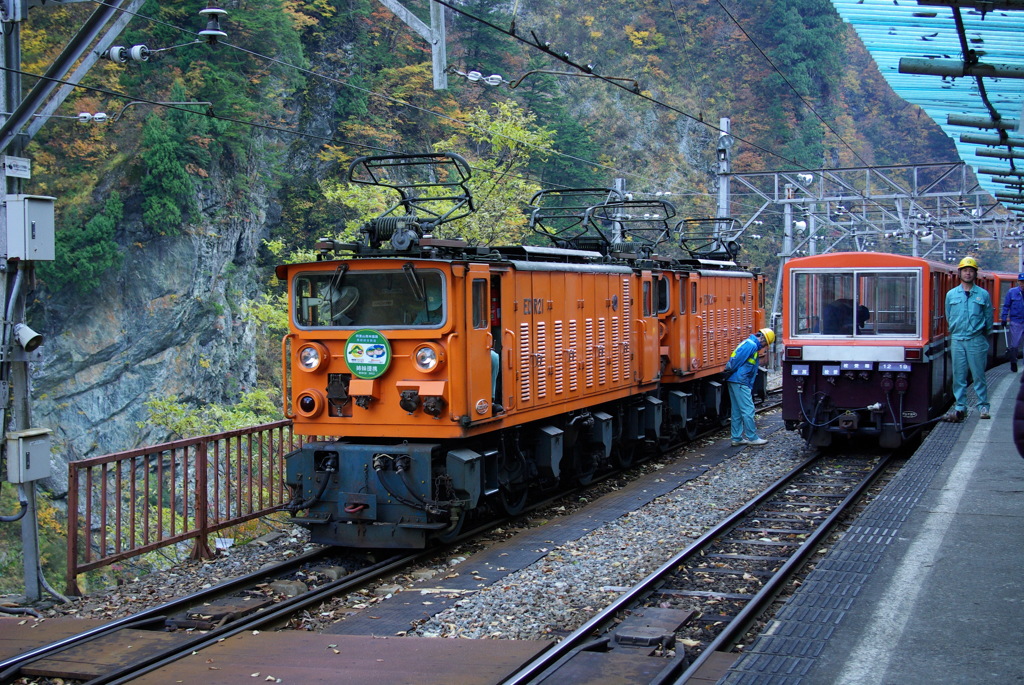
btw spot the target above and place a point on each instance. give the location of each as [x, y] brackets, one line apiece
[117, 53]
[212, 31]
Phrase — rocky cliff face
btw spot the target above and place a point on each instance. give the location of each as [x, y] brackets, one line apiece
[170, 322]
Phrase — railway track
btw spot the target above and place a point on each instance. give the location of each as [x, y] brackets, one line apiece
[698, 605]
[126, 647]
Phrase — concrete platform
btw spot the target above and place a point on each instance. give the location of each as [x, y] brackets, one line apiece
[928, 586]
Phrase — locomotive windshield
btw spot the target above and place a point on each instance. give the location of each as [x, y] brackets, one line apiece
[856, 303]
[378, 299]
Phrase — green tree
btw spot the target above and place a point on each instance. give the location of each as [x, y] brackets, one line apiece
[572, 137]
[166, 185]
[189, 421]
[82, 256]
[499, 145]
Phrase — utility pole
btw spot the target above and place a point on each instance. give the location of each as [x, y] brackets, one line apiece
[619, 191]
[724, 152]
[27, 450]
[433, 34]
[787, 251]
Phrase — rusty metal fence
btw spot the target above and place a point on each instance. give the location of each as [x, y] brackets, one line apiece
[125, 504]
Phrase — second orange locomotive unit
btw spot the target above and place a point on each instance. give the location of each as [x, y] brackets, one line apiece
[452, 380]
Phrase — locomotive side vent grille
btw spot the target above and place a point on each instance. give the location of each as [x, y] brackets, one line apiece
[602, 340]
[616, 350]
[525, 363]
[708, 338]
[541, 345]
[590, 352]
[627, 318]
[721, 335]
[705, 335]
[560, 354]
[574, 376]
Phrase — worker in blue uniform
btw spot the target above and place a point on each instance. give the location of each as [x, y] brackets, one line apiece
[969, 318]
[1012, 315]
[740, 374]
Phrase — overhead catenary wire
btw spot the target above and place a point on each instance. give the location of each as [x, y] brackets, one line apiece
[440, 115]
[614, 170]
[682, 46]
[212, 115]
[789, 83]
[589, 69]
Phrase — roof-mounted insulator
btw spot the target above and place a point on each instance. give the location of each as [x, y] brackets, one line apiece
[212, 32]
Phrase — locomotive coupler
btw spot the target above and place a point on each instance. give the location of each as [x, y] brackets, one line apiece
[297, 504]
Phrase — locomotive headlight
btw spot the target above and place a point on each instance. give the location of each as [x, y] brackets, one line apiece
[428, 357]
[311, 356]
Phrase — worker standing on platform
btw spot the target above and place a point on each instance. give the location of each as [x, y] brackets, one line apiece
[969, 318]
[740, 374]
[1013, 313]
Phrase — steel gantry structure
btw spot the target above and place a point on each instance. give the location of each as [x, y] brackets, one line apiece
[928, 210]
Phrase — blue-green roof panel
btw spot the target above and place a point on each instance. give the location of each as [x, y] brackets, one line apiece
[894, 29]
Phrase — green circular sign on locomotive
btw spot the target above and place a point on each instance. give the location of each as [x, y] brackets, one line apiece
[368, 354]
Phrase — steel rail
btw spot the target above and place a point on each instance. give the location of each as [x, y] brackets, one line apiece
[263, 619]
[10, 667]
[154, 614]
[347, 584]
[733, 632]
[558, 654]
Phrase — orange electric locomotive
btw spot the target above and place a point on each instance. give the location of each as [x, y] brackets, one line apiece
[454, 380]
[865, 344]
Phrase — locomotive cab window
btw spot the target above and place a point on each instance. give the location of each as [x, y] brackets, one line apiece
[856, 303]
[381, 299]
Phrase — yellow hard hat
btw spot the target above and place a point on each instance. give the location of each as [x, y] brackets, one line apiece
[968, 261]
[769, 335]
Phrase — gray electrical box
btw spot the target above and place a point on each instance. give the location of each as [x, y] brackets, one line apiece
[28, 455]
[30, 228]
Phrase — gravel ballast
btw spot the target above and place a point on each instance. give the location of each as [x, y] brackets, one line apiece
[562, 591]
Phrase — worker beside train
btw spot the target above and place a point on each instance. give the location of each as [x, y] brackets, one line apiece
[740, 374]
[1012, 313]
[969, 318]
